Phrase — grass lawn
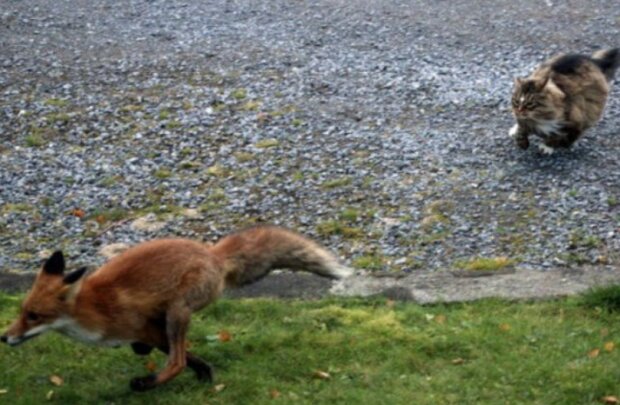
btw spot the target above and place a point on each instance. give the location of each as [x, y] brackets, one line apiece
[351, 351]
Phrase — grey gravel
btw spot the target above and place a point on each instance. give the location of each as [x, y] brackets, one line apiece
[292, 112]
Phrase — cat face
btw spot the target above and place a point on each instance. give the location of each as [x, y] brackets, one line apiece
[530, 100]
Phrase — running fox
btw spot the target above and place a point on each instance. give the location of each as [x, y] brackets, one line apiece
[146, 295]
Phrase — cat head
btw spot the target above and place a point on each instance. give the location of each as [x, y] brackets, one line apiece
[536, 99]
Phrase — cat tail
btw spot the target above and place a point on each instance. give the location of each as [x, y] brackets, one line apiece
[608, 61]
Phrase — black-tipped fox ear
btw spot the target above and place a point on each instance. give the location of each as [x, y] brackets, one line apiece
[74, 276]
[55, 264]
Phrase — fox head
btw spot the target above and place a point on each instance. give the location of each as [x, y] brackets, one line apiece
[48, 302]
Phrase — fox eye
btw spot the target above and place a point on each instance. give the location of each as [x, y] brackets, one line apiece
[32, 316]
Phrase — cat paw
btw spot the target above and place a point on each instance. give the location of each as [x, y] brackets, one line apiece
[546, 150]
[514, 131]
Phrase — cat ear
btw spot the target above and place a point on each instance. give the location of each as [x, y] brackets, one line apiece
[542, 83]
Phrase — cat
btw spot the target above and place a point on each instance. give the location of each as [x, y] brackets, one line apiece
[562, 98]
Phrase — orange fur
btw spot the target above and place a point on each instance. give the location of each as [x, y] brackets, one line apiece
[146, 295]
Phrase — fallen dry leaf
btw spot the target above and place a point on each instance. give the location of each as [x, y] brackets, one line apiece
[50, 395]
[458, 361]
[219, 387]
[56, 380]
[224, 336]
[78, 212]
[100, 219]
[323, 375]
[609, 346]
[610, 399]
[151, 366]
[593, 353]
[504, 327]
[274, 393]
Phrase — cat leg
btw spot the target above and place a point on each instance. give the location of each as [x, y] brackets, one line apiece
[520, 136]
[545, 149]
[514, 131]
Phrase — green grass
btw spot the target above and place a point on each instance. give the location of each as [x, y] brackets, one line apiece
[267, 143]
[239, 94]
[56, 102]
[34, 141]
[335, 227]
[374, 352]
[372, 261]
[336, 183]
[486, 263]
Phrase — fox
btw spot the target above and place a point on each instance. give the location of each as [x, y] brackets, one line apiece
[145, 296]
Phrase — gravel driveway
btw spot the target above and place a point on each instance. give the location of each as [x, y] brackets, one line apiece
[377, 127]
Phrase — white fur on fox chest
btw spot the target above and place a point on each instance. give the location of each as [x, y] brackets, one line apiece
[69, 327]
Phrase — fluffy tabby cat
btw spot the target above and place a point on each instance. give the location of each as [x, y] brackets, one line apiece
[562, 98]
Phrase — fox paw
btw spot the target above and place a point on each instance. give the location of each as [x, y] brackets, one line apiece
[143, 383]
[204, 372]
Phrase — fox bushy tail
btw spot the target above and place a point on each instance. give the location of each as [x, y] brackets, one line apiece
[251, 254]
[608, 61]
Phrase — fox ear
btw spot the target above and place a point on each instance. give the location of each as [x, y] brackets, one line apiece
[74, 276]
[55, 265]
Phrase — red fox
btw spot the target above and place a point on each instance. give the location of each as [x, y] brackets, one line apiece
[145, 296]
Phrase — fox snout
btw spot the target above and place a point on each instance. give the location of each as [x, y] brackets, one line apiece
[16, 340]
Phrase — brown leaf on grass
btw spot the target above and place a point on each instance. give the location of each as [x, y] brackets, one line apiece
[610, 399]
[609, 346]
[78, 212]
[440, 319]
[593, 353]
[322, 375]
[56, 380]
[274, 393]
[504, 327]
[219, 387]
[151, 366]
[100, 219]
[224, 336]
[458, 361]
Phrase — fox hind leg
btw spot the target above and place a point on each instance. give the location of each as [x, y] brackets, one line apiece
[177, 323]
